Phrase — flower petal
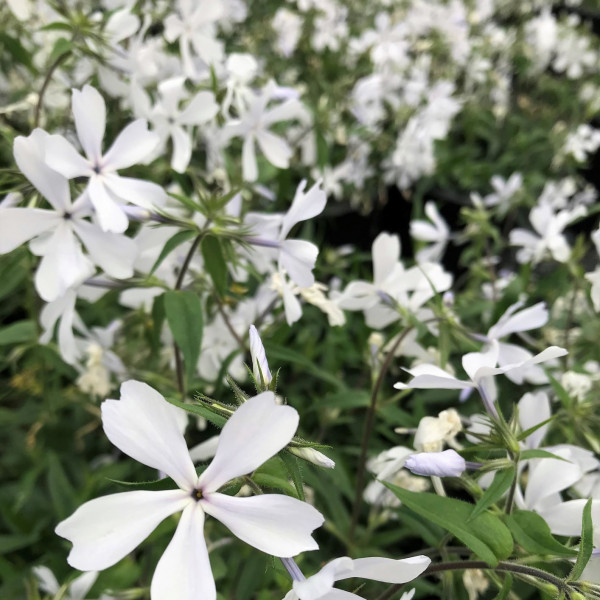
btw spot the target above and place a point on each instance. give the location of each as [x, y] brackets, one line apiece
[182, 149]
[202, 108]
[276, 150]
[387, 570]
[255, 432]
[386, 251]
[106, 529]
[184, 572]
[29, 155]
[304, 206]
[249, 166]
[113, 253]
[47, 580]
[89, 111]
[145, 426]
[132, 145]
[110, 214]
[81, 585]
[137, 191]
[276, 524]
[19, 225]
[62, 157]
[298, 257]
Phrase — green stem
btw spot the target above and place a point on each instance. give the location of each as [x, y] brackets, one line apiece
[362, 462]
[45, 84]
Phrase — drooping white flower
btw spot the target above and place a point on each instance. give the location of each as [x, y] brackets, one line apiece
[106, 189]
[56, 234]
[320, 585]
[144, 426]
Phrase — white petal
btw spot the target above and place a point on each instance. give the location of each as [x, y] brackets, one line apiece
[132, 146]
[259, 356]
[19, 225]
[298, 257]
[29, 155]
[182, 149]
[291, 304]
[47, 581]
[386, 251]
[201, 109]
[106, 529]
[276, 524]
[249, 166]
[89, 111]
[63, 266]
[534, 408]
[550, 475]
[304, 206]
[115, 254]
[110, 214]
[529, 318]
[62, 157]
[565, 518]
[137, 191]
[319, 584]
[255, 432]
[145, 426]
[184, 572]
[432, 377]
[81, 585]
[387, 570]
[474, 361]
[275, 148]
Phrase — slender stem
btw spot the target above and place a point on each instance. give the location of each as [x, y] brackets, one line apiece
[362, 462]
[480, 564]
[45, 84]
[510, 500]
[178, 360]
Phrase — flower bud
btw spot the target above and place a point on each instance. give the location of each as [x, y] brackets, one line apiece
[313, 456]
[441, 464]
[260, 366]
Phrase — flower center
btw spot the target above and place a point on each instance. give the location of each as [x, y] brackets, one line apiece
[196, 495]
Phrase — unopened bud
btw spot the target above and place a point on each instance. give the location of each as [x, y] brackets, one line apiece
[441, 464]
[313, 456]
[260, 366]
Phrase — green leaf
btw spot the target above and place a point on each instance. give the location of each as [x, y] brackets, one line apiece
[293, 469]
[199, 410]
[528, 432]
[214, 263]
[61, 490]
[560, 391]
[17, 333]
[274, 482]
[586, 545]
[501, 483]
[14, 47]
[61, 46]
[537, 453]
[532, 533]
[176, 240]
[184, 315]
[485, 535]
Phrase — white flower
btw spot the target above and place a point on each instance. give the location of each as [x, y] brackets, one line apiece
[437, 233]
[320, 585]
[313, 456]
[106, 189]
[144, 426]
[433, 432]
[55, 234]
[480, 367]
[439, 464]
[253, 125]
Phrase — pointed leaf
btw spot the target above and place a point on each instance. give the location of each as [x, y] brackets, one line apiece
[501, 483]
[485, 535]
[176, 240]
[214, 263]
[586, 546]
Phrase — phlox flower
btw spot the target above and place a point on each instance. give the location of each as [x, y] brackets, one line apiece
[145, 426]
[437, 233]
[56, 234]
[320, 585]
[480, 367]
[106, 189]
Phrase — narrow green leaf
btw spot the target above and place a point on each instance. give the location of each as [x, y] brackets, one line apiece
[501, 483]
[17, 333]
[532, 533]
[485, 535]
[293, 469]
[537, 453]
[176, 240]
[586, 545]
[560, 391]
[272, 481]
[214, 263]
[528, 432]
[199, 410]
[184, 315]
[61, 46]
[14, 47]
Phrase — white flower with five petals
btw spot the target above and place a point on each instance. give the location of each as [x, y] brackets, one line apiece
[145, 426]
[106, 189]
